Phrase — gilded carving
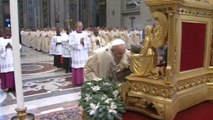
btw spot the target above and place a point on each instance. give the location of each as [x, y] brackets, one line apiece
[210, 85]
[145, 88]
[163, 95]
[172, 48]
[142, 103]
[145, 104]
[166, 91]
[210, 1]
[132, 100]
[211, 59]
[195, 12]
[160, 108]
[143, 64]
[124, 89]
[135, 93]
[154, 91]
[175, 45]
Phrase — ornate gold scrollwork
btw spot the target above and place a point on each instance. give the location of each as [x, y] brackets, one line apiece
[210, 1]
[167, 91]
[163, 22]
[160, 108]
[195, 12]
[142, 103]
[144, 63]
[124, 89]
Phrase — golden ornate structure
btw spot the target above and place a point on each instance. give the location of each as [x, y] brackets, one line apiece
[23, 115]
[182, 86]
[144, 63]
[210, 1]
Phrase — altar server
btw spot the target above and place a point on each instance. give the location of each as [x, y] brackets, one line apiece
[80, 44]
[6, 63]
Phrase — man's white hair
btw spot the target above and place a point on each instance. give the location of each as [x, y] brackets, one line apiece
[117, 42]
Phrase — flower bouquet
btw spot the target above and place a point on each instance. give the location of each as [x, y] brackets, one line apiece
[100, 100]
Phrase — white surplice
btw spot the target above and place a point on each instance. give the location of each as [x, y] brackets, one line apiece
[66, 49]
[79, 52]
[6, 56]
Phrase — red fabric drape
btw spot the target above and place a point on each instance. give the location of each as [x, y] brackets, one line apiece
[193, 45]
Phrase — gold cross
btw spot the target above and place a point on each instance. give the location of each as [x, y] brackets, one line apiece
[68, 22]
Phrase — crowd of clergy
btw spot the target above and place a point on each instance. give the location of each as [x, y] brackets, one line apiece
[71, 50]
[90, 53]
[56, 42]
[40, 39]
[43, 40]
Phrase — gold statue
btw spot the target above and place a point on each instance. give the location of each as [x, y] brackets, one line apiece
[144, 63]
[210, 1]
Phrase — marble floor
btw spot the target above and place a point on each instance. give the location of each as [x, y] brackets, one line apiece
[46, 88]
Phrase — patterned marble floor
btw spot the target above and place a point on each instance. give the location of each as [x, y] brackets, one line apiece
[46, 88]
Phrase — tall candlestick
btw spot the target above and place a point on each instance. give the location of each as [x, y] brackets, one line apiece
[21, 109]
[16, 53]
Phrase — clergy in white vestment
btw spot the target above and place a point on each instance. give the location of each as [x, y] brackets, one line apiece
[96, 41]
[106, 61]
[44, 42]
[57, 49]
[123, 36]
[21, 35]
[66, 52]
[105, 36]
[6, 64]
[80, 44]
[38, 39]
[136, 37]
[52, 45]
[28, 38]
[111, 35]
[33, 40]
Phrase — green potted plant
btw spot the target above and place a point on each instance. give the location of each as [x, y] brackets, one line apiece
[100, 100]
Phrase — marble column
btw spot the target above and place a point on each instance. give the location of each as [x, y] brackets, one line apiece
[1, 15]
[38, 14]
[52, 13]
[61, 13]
[24, 13]
[66, 9]
[78, 12]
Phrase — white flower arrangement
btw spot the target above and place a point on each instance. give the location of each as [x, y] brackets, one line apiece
[100, 100]
[93, 108]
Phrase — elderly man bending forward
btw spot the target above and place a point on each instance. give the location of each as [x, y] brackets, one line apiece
[106, 60]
